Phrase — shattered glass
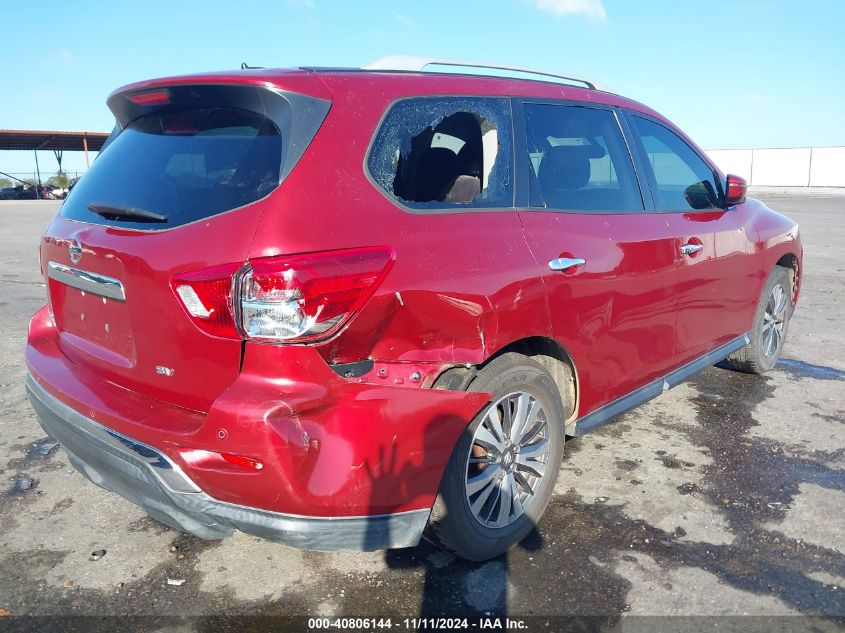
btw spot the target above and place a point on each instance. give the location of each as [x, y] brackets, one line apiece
[410, 118]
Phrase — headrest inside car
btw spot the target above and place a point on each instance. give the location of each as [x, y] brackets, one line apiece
[564, 167]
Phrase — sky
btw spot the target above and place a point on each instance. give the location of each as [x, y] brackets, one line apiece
[732, 74]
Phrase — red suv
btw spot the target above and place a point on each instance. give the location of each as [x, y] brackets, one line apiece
[340, 308]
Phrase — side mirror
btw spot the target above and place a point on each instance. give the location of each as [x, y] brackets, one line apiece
[735, 191]
[701, 195]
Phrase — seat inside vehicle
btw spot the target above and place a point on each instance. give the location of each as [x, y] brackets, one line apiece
[564, 179]
[445, 162]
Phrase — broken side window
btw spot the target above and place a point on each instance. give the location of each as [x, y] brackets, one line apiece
[445, 152]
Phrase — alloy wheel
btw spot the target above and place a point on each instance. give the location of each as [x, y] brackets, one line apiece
[507, 459]
[774, 320]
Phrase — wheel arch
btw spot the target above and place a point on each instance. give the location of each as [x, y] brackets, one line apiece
[546, 351]
[790, 261]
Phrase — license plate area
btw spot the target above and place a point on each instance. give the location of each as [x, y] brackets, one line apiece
[93, 321]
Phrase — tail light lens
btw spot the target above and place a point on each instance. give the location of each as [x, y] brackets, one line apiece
[46, 286]
[300, 298]
[206, 295]
[308, 297]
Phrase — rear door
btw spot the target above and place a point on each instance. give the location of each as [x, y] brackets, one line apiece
[717, 271]
[608, 264]
[179, 189]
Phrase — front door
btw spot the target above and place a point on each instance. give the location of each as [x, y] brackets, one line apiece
[718, 276]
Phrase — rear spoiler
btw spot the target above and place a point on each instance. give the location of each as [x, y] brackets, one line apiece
[297, 116]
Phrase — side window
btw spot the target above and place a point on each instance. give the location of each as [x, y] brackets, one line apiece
[682, 180]
[445, 153]
[579, 160]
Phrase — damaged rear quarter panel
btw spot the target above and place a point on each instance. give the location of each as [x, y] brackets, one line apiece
[464, 283]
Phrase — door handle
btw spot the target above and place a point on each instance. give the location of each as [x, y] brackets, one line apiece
[565, 263]
[691, 249]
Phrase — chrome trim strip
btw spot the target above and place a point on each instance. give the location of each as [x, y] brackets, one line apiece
[87, 281]
[608, 412]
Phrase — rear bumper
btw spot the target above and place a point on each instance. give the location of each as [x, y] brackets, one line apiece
[346, 463]
[151, 480]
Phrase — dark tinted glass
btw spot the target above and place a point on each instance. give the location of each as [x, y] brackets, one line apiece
[185, 165]
[445, 153]
[579, 160]
[682, 180]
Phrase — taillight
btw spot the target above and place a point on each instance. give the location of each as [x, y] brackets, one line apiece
[46, 285]
[304, 298]
[298, 298]
[206, 295]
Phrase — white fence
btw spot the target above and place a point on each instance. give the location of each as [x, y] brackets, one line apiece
[793, 167]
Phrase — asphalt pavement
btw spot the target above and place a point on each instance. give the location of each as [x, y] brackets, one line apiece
[722, 497]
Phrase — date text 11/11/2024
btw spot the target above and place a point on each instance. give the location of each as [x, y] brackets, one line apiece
[415, 624]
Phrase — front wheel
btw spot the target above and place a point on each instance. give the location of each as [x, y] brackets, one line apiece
[501, 475]
[771, 322]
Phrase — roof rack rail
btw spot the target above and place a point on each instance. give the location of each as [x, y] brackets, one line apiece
[409, 63]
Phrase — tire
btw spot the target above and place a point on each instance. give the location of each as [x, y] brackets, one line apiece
[770, 327]
[519, 385]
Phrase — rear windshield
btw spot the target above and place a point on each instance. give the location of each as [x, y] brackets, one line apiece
[185, 165]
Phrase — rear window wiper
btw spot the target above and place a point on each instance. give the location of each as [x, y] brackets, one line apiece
[128, 213]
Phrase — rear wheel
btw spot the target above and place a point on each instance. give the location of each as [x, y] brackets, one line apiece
[501, 475]
[771, 322]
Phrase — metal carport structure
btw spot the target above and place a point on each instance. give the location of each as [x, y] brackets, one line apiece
[54, 140]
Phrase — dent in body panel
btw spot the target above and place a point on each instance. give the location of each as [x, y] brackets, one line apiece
[454, 327]
[332, 446]
[468, 286]
[435, 326]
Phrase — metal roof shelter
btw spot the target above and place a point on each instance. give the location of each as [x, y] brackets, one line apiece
[54, 140]
[51, 139]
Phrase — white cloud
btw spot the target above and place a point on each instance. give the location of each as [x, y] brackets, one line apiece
[301, 4]
[591, 9]
[401, 18]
